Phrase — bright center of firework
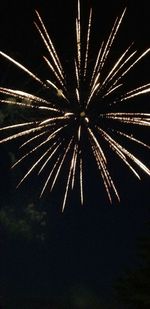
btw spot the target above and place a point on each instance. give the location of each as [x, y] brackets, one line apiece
[82, 114]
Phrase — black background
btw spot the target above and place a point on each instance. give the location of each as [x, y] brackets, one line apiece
[88, 246]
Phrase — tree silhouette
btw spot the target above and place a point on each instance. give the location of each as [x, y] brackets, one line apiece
[133, 288]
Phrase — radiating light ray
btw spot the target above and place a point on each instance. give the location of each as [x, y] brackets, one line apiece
[133, 139]
[92, 94]
[50, 45]
[40, 159]
[77, 95]
[79, 133]
[31, 151]
[136, 61]
[22, 95]
[26, 105]
[126, 152]
[101, 163]
[95, 83]
[95, 70]
[113, 87]
[132, 65]
[14, 126]
[61, 162]
[77, 77]
[32, 167]
[136, 92]
[74, 165]
[111, 40]
[50, 156]
[67, 184]
[59, 92]
[58, 171]
[110, 182]
[116, 68]
[49, 176]
[107, 47]
[130, 118]
[54, 119]
[33, 139]
[101, 153]
[78, 37]
[118, 150]
[87, 44]
[55, 72]
[20, 134]
[111, 90]
[101, 167]
[59, 131]
[30, 98]
[81, 181]
[22, 67]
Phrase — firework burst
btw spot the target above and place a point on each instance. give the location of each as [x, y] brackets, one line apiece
[90, 113]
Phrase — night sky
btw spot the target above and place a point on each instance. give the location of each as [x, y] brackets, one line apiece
[88, 247]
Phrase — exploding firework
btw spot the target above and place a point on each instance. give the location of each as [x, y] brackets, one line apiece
[86, 114]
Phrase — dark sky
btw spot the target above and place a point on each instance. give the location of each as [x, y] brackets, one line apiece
[88, 246]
